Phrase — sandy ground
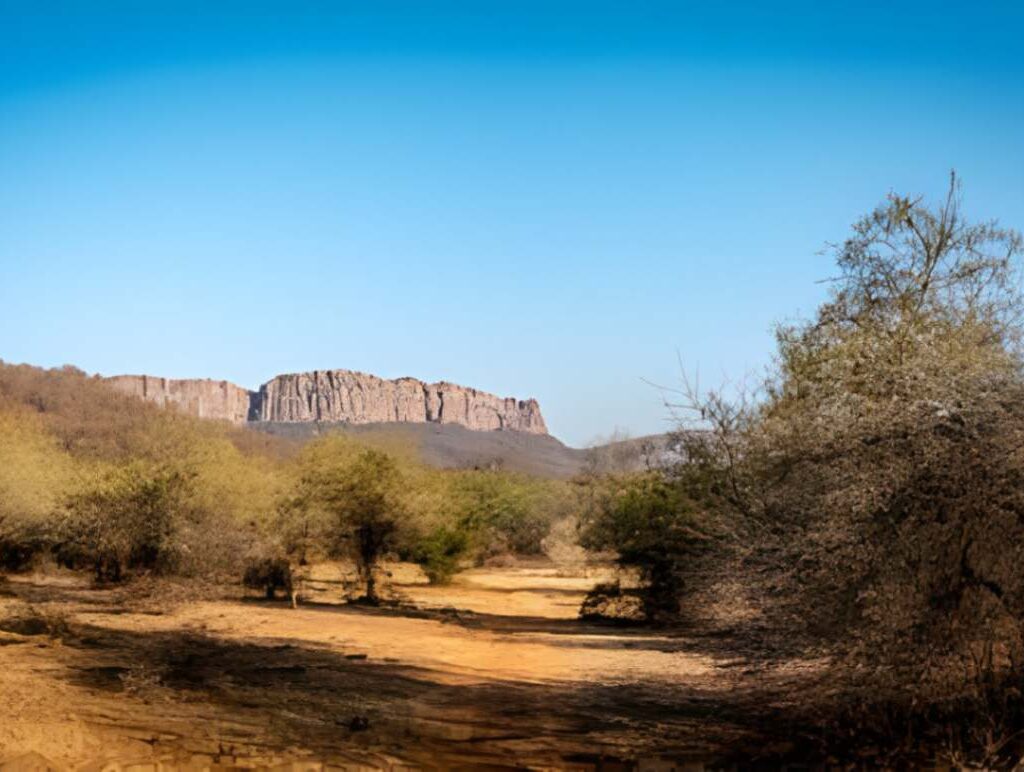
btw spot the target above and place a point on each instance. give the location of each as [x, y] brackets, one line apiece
[493, 671]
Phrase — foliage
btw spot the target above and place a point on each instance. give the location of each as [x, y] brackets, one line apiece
[878, 479]
[126, 517]
[440, 519]
[891, 438]
[609, 602]
[34, 474]
[442, 551]
[268, 575]
[510, 513]
[85, 471]
[90, 420]
[355, 501]
[648, 520]
[65, 438]
[252, 489]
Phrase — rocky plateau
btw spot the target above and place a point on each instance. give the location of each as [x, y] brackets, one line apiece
[338, 396]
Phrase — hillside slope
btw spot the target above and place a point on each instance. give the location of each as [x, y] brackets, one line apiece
[454, 446]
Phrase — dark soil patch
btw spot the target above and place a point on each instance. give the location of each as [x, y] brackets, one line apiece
[28, 625]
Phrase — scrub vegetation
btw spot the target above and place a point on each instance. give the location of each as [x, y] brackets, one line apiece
[106, 483]
[868, 496]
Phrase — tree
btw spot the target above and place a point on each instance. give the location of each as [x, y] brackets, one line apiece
[879, 479]
[507, 512]
[475, 514]
[653, 526]
[360, 498]
[130, 516]
[904, 395]
[34, 475]
[923, 298]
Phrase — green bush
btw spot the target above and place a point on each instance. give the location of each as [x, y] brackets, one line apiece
[653, 526]
[354, 501]
[442, 552]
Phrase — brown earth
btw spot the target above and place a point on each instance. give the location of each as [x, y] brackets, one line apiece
[493, 671]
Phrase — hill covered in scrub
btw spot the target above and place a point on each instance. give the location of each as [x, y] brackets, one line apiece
[97, 478]
[86, 417]
[105, 413]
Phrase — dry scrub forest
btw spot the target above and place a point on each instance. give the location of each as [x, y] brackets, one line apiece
[824, 571]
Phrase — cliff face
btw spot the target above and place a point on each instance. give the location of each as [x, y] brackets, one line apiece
[339, 396]
[343, 395]
[202, 398]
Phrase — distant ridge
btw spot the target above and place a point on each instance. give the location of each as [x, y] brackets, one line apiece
[339, 397]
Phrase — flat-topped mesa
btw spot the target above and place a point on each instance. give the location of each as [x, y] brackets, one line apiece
[350, 397]
[203, 398]
[340, 396]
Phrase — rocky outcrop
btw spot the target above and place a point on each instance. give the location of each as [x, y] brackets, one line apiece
[203, 398]
[350, 397]
[339, 396]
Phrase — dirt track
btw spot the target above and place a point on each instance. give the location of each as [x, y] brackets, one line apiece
[511, 679]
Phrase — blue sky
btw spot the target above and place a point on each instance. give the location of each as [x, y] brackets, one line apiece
[537, 199]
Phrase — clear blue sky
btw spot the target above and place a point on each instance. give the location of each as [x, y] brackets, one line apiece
[534, 198]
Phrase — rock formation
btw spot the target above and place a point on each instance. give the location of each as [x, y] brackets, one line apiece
[203, 398]
[341, 396]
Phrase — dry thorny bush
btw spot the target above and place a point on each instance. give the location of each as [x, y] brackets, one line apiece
[874, 490]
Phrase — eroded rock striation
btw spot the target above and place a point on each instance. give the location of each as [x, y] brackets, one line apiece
[340, 396]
